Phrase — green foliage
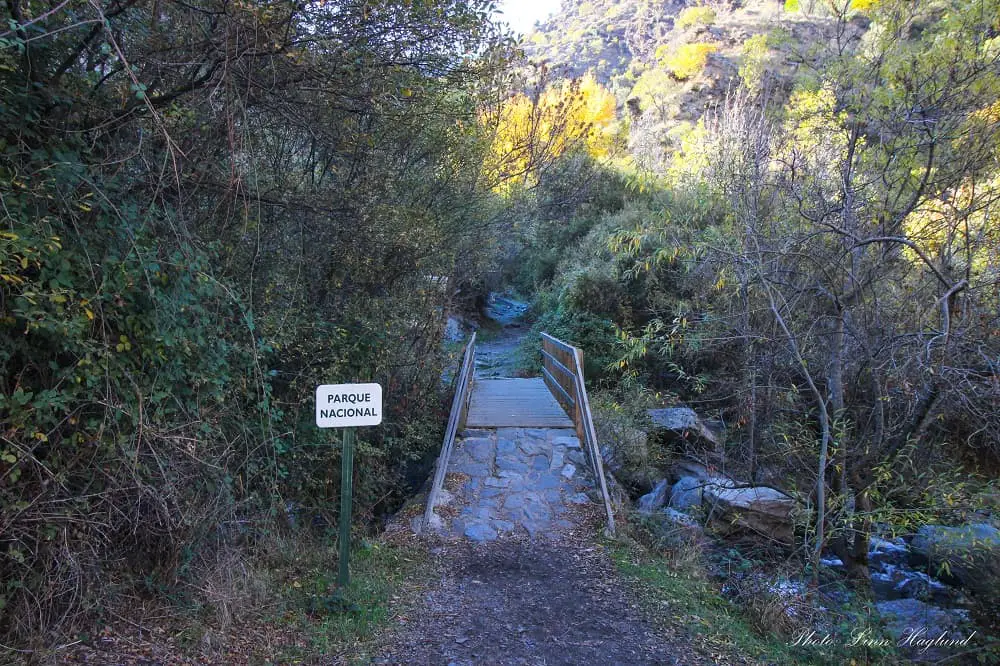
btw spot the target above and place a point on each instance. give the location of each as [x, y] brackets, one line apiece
[653, 87]
[581, 329]
[124, 367]
[698, 607]
[754, 63]
[745, 283]
[698, 15]
[202, 220]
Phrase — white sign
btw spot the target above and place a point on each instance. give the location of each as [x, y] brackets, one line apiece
[348, 405]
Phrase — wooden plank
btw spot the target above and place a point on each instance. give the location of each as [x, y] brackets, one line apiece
[559, 344]
[560, 391]
[553, 361]
[515, 403]
[556, 388]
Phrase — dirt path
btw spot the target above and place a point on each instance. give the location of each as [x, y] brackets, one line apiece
[527, 602]
[496, 352]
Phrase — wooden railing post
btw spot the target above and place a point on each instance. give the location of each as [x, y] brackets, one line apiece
[562, 369]
[456, 418]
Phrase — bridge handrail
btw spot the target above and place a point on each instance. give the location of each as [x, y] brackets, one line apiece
[456, 418]
[562, 369]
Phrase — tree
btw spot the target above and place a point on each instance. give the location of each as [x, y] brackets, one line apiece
[864, 228]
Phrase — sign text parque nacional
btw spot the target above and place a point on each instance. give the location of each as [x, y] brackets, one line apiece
[348, 405]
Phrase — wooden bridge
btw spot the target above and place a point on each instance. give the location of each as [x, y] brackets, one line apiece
[557, 399]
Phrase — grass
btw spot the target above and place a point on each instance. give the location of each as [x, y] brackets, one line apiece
[344, 625]
[696, 607]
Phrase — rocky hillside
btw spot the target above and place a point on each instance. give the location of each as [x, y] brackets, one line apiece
[603, 35]
[667, 61]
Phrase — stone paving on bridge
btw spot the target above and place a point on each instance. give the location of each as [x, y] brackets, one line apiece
[510, 480]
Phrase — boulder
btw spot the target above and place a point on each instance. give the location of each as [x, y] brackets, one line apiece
[690, 468]
[625, 451]
[684, 422]
[686, 493]
[655, 499]
[884, 552]
[970, 555]
[758, 510]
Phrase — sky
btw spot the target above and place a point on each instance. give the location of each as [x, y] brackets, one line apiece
[522, 14]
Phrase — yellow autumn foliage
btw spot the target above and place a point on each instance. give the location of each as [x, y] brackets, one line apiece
[689, 59]
[699, 15]
[530, 132]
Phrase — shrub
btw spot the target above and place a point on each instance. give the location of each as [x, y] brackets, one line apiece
[695, 16]
[689, 60]
[590, 332]
[754, 61]
[593, 293]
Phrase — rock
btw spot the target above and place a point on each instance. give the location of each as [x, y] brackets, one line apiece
[971, 553]
[567, 441]
[443, 498]
[910, 621]
[494, 482]
[882, 551]
[625, 452]
[534, 447]
[684, 421]
[655, 499]
[758, 510]
[503, 525]
[506, 447]
[477, 448]
[480, 532]
[537, 512]
[417, 524]
[675, 516]
[578, 498]
[511, 464]
[568, 470]
[686, 493]
[547, 482]
[690, 468]
[557, 459]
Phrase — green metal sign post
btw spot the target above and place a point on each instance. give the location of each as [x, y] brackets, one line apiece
[347, 406]
[346, 492]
